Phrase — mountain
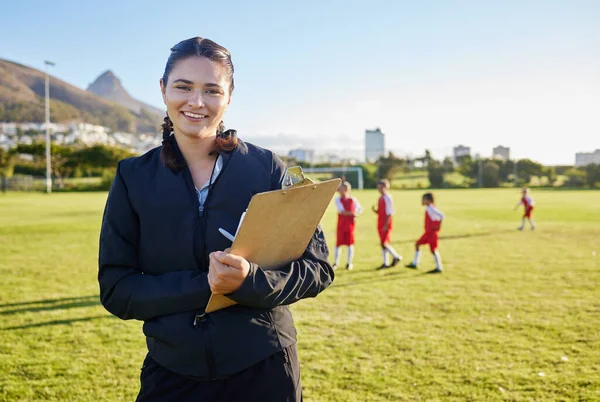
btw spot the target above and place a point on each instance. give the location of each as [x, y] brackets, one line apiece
[108, 86]
[22, 100]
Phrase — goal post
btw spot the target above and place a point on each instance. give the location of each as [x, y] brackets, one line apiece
[353, 174]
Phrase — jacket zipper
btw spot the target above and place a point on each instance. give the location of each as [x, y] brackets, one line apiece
[201, 318]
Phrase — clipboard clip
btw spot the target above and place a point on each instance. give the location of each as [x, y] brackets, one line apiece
[294, 176]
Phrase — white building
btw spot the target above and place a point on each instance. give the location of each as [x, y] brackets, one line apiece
[302, 155]
[88, 134]
[461, 151]
[374, 145]
[501, 152]
[8, 128]
[587, 158]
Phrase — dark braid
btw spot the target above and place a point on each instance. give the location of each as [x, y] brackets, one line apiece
[226, 140]
[167, 154]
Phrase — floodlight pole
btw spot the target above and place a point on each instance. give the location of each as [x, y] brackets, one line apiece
[48, 139]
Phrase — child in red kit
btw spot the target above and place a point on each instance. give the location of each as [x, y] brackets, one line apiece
[528, 203]
[433, 222]
[385, 210]
[348, 208]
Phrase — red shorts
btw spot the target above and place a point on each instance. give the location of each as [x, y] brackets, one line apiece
[385, 237]
[528, 212]
[430, 238]
[345, 237]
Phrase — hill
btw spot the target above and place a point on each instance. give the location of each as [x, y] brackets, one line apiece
[22, 100]
[108, 86]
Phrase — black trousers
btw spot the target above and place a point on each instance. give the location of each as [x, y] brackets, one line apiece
[275, 379]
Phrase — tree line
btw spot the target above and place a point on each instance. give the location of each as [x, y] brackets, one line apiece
[75, 161]
[65, 161]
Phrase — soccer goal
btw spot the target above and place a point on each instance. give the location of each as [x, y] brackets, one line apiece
[352, 174]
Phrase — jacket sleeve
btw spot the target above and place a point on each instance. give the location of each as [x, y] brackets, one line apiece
[125, 290]
[306, 277]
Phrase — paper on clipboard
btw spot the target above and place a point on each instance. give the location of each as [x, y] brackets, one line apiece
[278, 226]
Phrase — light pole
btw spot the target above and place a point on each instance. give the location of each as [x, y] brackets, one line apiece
[479, 170]
[48, 167]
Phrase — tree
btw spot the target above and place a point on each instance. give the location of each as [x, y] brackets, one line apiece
[575, 178]
[592, 174]
[435, 171]
[527, 168]
[468, 167]
[490, 174]
[460, 160]
[7, 163]
[448, 165]
[388, 166]
[369, 175]
[59, 158]
[98, 157]
[507, 169]
[428, 158]
[551, 175]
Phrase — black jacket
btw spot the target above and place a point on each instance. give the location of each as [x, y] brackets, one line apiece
[153, 264]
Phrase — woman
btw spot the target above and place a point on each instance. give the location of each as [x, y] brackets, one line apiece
[161, 254]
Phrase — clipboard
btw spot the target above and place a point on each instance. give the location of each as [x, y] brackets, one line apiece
[277, 227]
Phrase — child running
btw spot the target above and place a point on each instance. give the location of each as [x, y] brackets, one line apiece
[528, 204]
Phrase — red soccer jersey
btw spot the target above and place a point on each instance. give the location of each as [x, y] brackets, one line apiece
[527, 201]
[385, 207]
[347, 204]
[433, 218]
[345, 227]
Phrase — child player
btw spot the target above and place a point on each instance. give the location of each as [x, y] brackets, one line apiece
[348, 208]
[433, 222]
[385, 210]
[528, 203]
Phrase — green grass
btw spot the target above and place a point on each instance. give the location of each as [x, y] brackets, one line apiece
[509, 306]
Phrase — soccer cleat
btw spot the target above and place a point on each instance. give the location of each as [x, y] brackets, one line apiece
[435, 271]
[396, 261]
[411, 265]
[520, 228]
[349, 267]
[384, 266]
[334, 267]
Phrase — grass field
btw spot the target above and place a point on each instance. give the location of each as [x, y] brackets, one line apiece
[515, 317]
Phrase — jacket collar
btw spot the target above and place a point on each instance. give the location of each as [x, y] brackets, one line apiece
[226, 155]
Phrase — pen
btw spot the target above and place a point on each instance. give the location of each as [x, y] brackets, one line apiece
[228, 235]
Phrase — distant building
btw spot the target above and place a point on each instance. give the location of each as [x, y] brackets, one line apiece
[88, 134]
[501, 152]
[374, 145]
[587, 158]
[302, 155]
[461, 151]
[8, 128]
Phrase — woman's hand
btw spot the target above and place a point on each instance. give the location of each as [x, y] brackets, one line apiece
[226, 272]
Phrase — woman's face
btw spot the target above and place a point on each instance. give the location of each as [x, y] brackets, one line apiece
[196, 95]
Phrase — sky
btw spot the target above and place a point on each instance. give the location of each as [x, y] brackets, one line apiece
[317, 73]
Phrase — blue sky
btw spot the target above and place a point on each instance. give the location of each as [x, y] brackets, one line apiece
[431, 74]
